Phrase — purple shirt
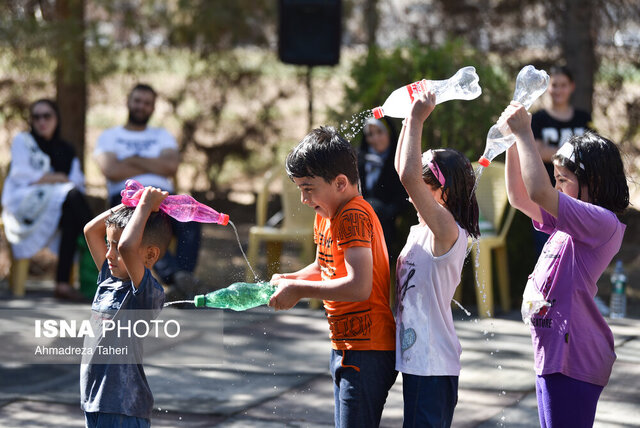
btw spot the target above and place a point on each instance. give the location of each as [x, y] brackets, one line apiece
[571, 336]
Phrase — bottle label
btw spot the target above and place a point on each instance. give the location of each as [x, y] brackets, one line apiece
[618, 287]
[414, 89]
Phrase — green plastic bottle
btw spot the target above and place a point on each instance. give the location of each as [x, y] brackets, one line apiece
[239, 296]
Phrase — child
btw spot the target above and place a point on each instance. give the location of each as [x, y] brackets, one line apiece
[118, 394]
[440, 185]
[573, 344]
[350, 273]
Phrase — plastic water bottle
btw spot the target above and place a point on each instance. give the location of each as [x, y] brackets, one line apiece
[530, 84]
[618, 304]
[461, 86]
[181, 207]
[238, 296]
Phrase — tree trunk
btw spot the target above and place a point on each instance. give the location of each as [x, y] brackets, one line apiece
[372, 21]
[577, 36]
[71, 82]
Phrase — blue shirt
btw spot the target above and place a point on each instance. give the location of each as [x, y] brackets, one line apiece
[120, 388]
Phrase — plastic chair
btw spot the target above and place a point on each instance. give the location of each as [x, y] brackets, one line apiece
[297, 225]
[497, 214]
[19, 269]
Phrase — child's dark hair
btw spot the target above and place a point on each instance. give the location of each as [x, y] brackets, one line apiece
[603, 172]
[323, 153]
[157, 231]
[561, 69]
[458, 192]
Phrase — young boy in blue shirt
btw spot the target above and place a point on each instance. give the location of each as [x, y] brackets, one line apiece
[118, 394]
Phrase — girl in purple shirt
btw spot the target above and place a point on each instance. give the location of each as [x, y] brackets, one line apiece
[573, 344]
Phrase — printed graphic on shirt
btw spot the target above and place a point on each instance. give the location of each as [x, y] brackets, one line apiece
[135, 146]
[540, 320]
[558, 136]
[408, 336]
[354, 326]
[354, 226]
[551, 257]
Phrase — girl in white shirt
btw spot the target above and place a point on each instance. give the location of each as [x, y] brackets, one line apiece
[440, 185]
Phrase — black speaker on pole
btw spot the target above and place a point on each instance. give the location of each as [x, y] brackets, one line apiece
[310, 31]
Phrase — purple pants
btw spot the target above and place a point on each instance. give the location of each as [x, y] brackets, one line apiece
[566, 402]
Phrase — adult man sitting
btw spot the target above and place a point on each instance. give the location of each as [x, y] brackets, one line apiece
[149, 155]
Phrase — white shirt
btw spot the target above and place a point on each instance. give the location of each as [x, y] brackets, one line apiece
[426, 340]
[31, 212]
[147, 144]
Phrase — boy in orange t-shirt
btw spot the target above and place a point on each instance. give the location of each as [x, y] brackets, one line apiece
[350, 273]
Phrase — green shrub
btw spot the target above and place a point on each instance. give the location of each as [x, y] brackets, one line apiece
[462, 125]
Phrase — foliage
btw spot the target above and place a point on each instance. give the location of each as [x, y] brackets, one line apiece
[190, 50]
[462, 125]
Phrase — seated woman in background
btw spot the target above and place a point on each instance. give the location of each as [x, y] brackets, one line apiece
[380, 184]
[44, 193]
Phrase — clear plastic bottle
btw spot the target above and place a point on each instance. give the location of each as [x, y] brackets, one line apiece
[461, 86]
[618, 303]
[530, 84]
[181, 207]
[239, 296]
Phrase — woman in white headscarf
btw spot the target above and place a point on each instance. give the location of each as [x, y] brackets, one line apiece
[43, 194]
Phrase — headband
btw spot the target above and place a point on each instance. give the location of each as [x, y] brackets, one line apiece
[427, 158]
[568, 151]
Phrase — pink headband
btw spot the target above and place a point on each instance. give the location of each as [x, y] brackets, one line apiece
[427, 157]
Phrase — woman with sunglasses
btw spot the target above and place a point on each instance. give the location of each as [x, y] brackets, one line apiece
[43, 194]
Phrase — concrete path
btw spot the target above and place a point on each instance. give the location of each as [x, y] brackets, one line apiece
[274, 373]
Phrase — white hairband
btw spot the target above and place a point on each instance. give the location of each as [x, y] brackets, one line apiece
[568, 151]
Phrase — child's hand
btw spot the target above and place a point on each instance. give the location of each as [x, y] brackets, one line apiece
[423, 105]
[153, 197]
[286, 296]
[517, 118]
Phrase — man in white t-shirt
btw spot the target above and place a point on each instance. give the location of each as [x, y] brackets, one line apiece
[150, 156]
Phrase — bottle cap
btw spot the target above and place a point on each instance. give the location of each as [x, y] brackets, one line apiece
[378, 113]
[199, 300]
[484, 161]
[224, 219]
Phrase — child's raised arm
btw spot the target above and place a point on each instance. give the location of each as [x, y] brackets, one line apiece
[437, 217]
[131, 237]
[94, 233]
[534, 176]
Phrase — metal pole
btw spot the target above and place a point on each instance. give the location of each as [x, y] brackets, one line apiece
[310, 96]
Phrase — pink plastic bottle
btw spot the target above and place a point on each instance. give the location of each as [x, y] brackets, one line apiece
[181, 207]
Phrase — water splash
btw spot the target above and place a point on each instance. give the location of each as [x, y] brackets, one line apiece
[177, 302]
[461, 307]
[478, 172]
[242, 250]
[351, 128]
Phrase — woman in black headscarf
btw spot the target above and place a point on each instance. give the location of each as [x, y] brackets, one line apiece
[44, 193]
[380, 184]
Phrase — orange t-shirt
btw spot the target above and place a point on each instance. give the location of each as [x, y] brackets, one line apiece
[369, 324]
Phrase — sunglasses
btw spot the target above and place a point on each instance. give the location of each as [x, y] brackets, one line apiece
[37, 116]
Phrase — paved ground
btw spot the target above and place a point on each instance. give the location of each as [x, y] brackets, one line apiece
[275, 373]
